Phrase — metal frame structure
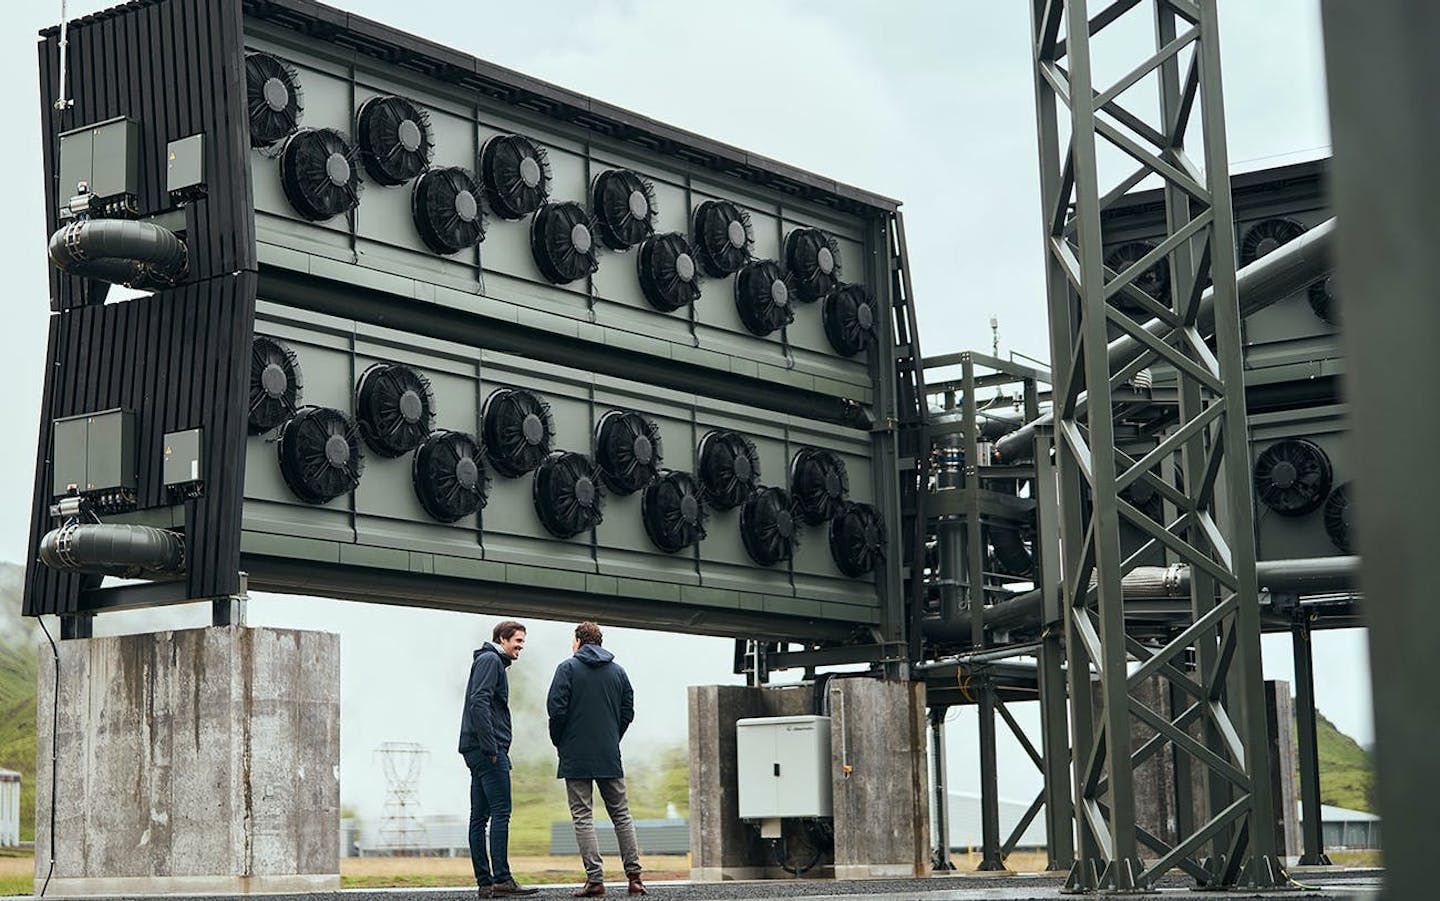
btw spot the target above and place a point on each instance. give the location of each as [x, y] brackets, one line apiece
[1214, 659]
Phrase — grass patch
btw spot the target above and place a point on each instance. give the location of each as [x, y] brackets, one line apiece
[1356, 858]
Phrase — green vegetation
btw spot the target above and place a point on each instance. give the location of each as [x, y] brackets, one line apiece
[18, 639]
[1347, 771]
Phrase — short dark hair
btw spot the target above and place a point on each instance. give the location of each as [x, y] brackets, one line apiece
[589, 633]
[505, 629]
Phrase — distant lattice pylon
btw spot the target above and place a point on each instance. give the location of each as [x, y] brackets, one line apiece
[401, 829]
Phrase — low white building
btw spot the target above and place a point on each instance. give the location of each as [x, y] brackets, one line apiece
[9, 808]
[966, 830]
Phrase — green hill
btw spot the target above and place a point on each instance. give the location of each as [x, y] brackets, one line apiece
[1347, 771]
[18, 639]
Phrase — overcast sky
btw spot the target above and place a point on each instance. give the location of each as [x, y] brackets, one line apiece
[932, 106]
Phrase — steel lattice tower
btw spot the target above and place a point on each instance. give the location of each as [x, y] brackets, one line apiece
[401, 829]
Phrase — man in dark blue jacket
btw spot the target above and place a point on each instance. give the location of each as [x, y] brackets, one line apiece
[591, 704]
[485, 734]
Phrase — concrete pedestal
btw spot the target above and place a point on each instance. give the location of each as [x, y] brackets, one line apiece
[204, 760]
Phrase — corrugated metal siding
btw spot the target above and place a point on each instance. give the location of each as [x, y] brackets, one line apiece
[179, 359]
[653, 837]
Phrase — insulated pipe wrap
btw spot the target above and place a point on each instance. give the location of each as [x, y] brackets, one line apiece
[113, 550]
[121, 252]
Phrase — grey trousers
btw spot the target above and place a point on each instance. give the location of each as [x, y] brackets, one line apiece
[582, 813]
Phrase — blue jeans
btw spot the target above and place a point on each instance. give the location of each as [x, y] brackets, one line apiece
[489, 802]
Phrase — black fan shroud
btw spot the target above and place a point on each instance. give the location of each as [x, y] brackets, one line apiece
[275, 384]
[729, 468]
[627, 450]
[1337, 518]
[669, 275]
[673, 511]
[764, 297]
[320, 454]
[318, 173]
[518, 431]
[723, 238]
[395, 140]
[515, 172]
[1154, 281]
[857, 539]
[569, 497]
[446, 209]
[273, 99]
[1293, 476]
[850, 315]
[562, 240]
[624, 207]
[394, 407]
[812, 258]
[1267, 235]
[769, 526]
[1323, 301]
[449, 476]
[818, 484]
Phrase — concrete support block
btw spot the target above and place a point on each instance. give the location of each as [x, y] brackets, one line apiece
[882, 801]
[204, 760]
[1284, 766]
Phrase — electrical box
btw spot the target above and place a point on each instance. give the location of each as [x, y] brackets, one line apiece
[783, 767]
[95, 455]
[106, 158]
[185, 167]
[182, 457]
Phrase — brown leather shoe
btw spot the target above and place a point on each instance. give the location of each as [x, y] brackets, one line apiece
[636, 886]
[509, 889]
[590, 890]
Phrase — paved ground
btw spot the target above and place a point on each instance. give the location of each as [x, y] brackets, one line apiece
[1359, 884]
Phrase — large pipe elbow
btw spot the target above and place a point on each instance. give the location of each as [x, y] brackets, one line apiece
[113, 550]
[120, 251]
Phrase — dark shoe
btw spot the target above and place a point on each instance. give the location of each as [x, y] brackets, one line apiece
[636, 886]
[590, 890]
[484, 891]
[509, 889]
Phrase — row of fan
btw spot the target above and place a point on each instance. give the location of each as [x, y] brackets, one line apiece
[1294, 477]
[321, 458]
[1258, 240]
[319, 175]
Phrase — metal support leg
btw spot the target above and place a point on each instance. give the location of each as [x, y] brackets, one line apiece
[78, 625]
[990, 837]
[940, 856]
[1312, 836]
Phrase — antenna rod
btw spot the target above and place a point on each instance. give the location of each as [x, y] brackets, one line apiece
[63, 102]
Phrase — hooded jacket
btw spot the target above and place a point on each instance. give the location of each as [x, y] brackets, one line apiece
[485, 721]
[591, 704]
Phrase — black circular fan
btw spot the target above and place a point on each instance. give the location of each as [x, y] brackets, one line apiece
[516, 175]
[1292, 477]
[768, 526]
[449, 476]
[320, 454]
[729, 468]
[1337, 517]
[395, 142]
[446, 208]
[1322, 300]
[1154, 281]
[722, 237]
[668, 274]
[673, 511]
[857, 539]
[394, 407]
[849, 316]
[568, 494]
[813, 260]
[273, 98]
[818, 482]
[762, 297]
[317, 170]
[517, 429]
[1267, 235]
[275, 384]
[624, 207]
[627, 450]
[562, 239]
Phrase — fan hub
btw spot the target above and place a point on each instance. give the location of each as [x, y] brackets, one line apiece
[467, 473]
[1284, 474]
[690, 509]
[466, 207]
[584, 491]
[1265, 245]
[277, 96]
[779, 294]
[411, 407]
[865, 316]
[785, 524]
[825, 260]
[871, 534]
[735, 233]
[533, 429]
[274, 380]
[337, 451]
[580, 238]
[530, 172]
[644, 450]
[337, 169]
[685, 267]
[743, 470]
[832, 484]
[639, 204]
[410, 135]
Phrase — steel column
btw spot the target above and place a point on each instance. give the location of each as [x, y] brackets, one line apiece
[1312, 836]
[1054, 724]
[990, 838]
[940, 856]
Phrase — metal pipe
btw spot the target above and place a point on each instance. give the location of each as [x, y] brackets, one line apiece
[113, 550]
[121, 252]
[1263, 283]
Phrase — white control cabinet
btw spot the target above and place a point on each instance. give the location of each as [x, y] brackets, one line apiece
[783, 765]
